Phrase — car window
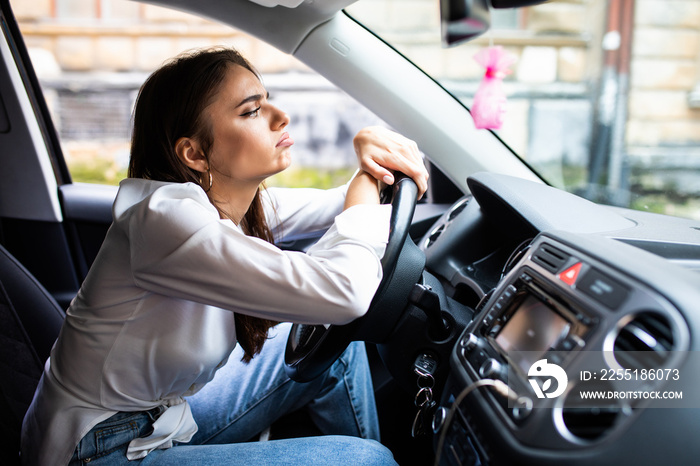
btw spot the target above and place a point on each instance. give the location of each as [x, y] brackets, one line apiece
[603, 99]
[91, 57]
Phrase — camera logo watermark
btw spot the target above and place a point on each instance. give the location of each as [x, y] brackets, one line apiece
[547, 372]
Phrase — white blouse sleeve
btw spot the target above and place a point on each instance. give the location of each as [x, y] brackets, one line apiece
[296, 213]
[179, 247]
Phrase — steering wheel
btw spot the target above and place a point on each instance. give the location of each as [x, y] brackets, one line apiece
[311, 349]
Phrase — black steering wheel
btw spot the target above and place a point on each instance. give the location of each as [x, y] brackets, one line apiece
[311, 349]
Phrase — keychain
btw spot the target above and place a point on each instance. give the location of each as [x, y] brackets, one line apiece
[424, 367]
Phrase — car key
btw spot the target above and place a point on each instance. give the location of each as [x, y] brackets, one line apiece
[425, 365]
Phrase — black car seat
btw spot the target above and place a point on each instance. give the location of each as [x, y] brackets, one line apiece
[30, 320]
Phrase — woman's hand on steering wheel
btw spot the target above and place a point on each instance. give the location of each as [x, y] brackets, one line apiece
[381, 151]
[311, 349]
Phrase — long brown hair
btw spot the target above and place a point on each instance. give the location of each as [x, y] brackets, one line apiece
[170, 105]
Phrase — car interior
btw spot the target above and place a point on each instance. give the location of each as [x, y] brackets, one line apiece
[494, 273]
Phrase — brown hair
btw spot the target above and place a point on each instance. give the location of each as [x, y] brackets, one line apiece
[170, 105]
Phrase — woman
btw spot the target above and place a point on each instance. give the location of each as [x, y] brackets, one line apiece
[171, 352]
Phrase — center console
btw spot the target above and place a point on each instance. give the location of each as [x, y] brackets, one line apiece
[562, 309]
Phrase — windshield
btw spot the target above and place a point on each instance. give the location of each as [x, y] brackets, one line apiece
[602, 100]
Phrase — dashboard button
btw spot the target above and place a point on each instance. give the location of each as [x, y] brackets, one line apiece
[566, 345]
[570, 275]
[509, 292]
[469, 341]
[491, 369]
[522, 408]
[603, 289]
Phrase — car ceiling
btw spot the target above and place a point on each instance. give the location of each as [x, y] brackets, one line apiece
[284, 28]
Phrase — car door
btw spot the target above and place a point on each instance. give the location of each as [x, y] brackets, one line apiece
[53, 226]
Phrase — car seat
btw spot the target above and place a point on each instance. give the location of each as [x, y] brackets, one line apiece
[30, 320]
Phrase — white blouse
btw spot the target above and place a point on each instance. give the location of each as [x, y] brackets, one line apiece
[152, 322]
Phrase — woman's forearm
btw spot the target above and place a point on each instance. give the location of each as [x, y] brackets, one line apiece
[363, 189]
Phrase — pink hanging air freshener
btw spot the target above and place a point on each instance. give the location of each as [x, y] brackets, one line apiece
[489, 106]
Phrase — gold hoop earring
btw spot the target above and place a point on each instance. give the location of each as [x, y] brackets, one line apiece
[211, 181]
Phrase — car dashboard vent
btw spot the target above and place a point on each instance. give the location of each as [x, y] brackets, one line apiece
[457, 208]
[549, 257]
[586, 420]
[434, 235]
[645, 342]
[451, 214]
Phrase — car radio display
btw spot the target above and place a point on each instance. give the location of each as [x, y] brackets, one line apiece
[532, 329]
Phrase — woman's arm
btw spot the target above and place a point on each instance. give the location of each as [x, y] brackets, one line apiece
[363, 189]
[180, 248]
[305, 211]
[294, 213]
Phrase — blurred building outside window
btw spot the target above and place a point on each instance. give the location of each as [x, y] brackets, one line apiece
[603, 101]
[91, 57]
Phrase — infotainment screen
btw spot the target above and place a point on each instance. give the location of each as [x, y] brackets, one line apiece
[531, 330]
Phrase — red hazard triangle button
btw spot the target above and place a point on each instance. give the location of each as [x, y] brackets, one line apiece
[570, 275]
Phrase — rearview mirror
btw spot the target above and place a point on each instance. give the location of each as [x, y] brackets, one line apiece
[463, 20]
[515, 3]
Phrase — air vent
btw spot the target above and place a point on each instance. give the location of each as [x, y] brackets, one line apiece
[454, 211]
[517, 254]
[457, 208]
[549, 257]
[434, 235]
[590, 423]
[587, 419]
[645, 342]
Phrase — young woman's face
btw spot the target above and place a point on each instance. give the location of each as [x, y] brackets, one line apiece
[249, 141]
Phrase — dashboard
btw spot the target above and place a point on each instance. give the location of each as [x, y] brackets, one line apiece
[583, 345]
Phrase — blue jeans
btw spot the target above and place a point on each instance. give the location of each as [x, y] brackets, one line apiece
[244, 399]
